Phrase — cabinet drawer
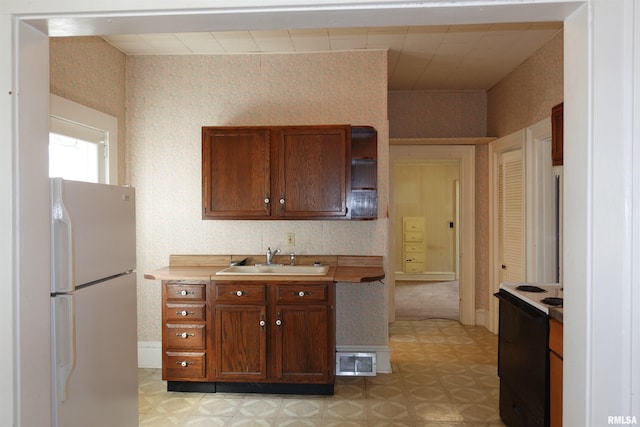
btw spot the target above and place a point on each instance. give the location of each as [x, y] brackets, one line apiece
[413, 236]
[185, 291]
[413, 267]
[302, 293]
[185, 336]
[413, 247]
[414, 224]
[186, 312]
[414, 257]
[185, 365]
[240, 293]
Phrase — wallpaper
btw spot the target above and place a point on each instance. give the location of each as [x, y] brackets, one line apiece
[437, 114]
[170, 98]
[527, 95]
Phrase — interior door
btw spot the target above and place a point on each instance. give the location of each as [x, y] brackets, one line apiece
[511, 221]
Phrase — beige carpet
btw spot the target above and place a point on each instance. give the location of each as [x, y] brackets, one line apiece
[427, 300]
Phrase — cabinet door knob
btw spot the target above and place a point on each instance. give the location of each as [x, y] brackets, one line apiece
[184, 313]
[262, 322]
[266, 200]
[282, 200]
[184, 335]
[278, 322]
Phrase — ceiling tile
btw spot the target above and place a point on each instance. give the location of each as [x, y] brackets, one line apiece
[419, 57]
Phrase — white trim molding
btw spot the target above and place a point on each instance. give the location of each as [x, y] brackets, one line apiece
[150, 354]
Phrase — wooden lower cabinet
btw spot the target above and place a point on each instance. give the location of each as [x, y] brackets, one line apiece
[555, 373]
[254, 336]
[184, 332]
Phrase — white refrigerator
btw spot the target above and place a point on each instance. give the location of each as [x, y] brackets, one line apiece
[93, 305]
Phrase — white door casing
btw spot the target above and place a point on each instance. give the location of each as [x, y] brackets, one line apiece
[416, 149]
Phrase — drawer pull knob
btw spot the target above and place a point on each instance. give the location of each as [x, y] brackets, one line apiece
[302, 293]
[239, 293]
[185, 313]
[184, 335]
[184, 292]
[184, 363]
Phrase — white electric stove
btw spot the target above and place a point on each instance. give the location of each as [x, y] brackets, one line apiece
[540, 295]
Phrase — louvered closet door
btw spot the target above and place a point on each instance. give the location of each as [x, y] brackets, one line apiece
[511, 221]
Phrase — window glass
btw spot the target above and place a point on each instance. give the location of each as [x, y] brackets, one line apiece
[82, 143]
[75, 159]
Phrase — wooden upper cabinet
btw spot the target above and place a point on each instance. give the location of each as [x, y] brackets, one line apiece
[236, 180]
[298, 172]
[557, 134]
[313, 171]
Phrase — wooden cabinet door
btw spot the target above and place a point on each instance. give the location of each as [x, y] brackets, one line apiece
[236, 180]
[301, 348]
[314, 172]
[240, 343]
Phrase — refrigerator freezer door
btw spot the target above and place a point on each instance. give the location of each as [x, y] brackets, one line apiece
[93, 232]
[102, 388]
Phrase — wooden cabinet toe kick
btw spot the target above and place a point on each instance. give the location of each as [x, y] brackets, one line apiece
[267, 388]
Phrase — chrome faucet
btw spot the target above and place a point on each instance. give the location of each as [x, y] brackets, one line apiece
[270, 255]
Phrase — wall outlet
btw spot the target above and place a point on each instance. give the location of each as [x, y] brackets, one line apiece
[291, 239]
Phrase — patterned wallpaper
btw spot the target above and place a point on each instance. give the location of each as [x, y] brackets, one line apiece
[169, 99]
[437, 114]
[526, 95]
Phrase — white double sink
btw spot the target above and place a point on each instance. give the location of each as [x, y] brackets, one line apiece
[275, 270]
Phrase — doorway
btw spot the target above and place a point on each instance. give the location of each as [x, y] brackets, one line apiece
[417, 151]
[425, 203]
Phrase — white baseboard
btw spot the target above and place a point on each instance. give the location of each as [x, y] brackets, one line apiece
[432, 276]
[150, 354]
[383, 354]
[480, 319]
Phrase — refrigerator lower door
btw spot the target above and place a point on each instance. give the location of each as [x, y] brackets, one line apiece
[102, 386]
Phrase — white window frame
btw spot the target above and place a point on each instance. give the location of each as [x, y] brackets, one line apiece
[69, 111]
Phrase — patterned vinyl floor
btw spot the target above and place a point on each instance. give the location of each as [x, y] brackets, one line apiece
[444, 374]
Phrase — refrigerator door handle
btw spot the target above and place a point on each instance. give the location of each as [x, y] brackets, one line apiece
[63, 258]
[64, 337]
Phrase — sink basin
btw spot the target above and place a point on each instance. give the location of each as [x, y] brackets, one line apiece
[289, 270]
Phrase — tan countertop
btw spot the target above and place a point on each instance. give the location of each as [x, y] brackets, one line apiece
[354, 269]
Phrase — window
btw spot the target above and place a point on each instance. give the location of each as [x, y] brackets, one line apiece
[82, 143]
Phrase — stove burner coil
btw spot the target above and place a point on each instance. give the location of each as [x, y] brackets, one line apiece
[529, 288]
[553, 301]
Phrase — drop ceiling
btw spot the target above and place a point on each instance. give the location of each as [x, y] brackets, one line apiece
[447, 57]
